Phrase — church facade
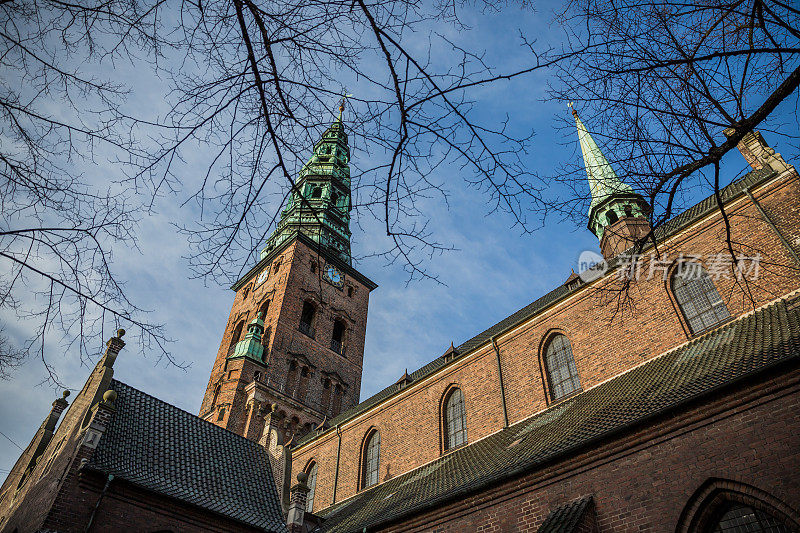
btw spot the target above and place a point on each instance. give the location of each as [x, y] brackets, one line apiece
[658, 391]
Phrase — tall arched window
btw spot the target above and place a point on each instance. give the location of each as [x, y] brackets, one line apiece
[307, 319]
[371, 460]
[700, 303]
[237, 334]
[338, 391]
[561, 372]
[311, 470]
[455, 420]
[337, 340]
[739, 518]
[263, 309]
[265, 341]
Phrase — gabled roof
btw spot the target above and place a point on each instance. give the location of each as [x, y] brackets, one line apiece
[755, 342]
[161, 448]
[668, 229]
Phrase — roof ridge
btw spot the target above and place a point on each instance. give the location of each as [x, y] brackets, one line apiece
[674, 382]
[560, 405]
[215, 427]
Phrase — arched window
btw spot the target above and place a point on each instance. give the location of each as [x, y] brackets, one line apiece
[265, 341]
[739, 518]
[291, 378]
[371, 459]
[455, 420]
[216, 395]
[326, 395]
[700, 303]
[337, 399]
[316, 192]
[221, 414]
[561, 372]
[263, 308]
[307, 318]
[611, 216]
[337, 340]
[237, 334]
[311, 470]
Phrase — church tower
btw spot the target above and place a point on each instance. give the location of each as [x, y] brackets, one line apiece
[617, 214]
[295, 334]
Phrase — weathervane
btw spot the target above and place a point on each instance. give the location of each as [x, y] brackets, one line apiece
[345, 96]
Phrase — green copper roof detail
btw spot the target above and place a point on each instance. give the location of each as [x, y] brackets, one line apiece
[251, 346]
[611, 197]
[324, 185]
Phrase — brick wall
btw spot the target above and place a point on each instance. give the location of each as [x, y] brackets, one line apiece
[291, 282]
[139, 510]
[609, 334]
[645, 479]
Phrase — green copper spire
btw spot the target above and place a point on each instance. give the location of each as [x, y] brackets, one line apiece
[324, 183]
[251, 346]
[612, 199]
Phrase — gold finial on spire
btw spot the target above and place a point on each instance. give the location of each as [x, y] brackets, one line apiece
[345, 96]
[572, 108]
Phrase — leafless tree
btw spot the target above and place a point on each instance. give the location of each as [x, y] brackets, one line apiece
[659, 81]
[272, 75]
[253, 84]
[59, 222]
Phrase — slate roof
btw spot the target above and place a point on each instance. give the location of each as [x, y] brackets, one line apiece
[668, 229]
[171, 452]
[751, 344]
[565, 518]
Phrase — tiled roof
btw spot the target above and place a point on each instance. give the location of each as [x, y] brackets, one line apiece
[567, 517]
[171, 452]
[742, 348]
[671, 227]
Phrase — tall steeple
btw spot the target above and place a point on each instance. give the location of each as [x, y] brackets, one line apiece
[612, 199]
[293, 346]
[324, 185]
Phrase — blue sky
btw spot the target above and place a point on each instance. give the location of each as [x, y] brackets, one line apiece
[494, 271]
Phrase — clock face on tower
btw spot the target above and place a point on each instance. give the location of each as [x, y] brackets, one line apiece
[263, 276]
[333, 276]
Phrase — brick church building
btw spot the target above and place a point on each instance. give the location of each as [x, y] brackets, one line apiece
[658, 391]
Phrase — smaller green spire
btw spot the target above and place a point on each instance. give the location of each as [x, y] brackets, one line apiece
[612, 198]
[251, 346]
